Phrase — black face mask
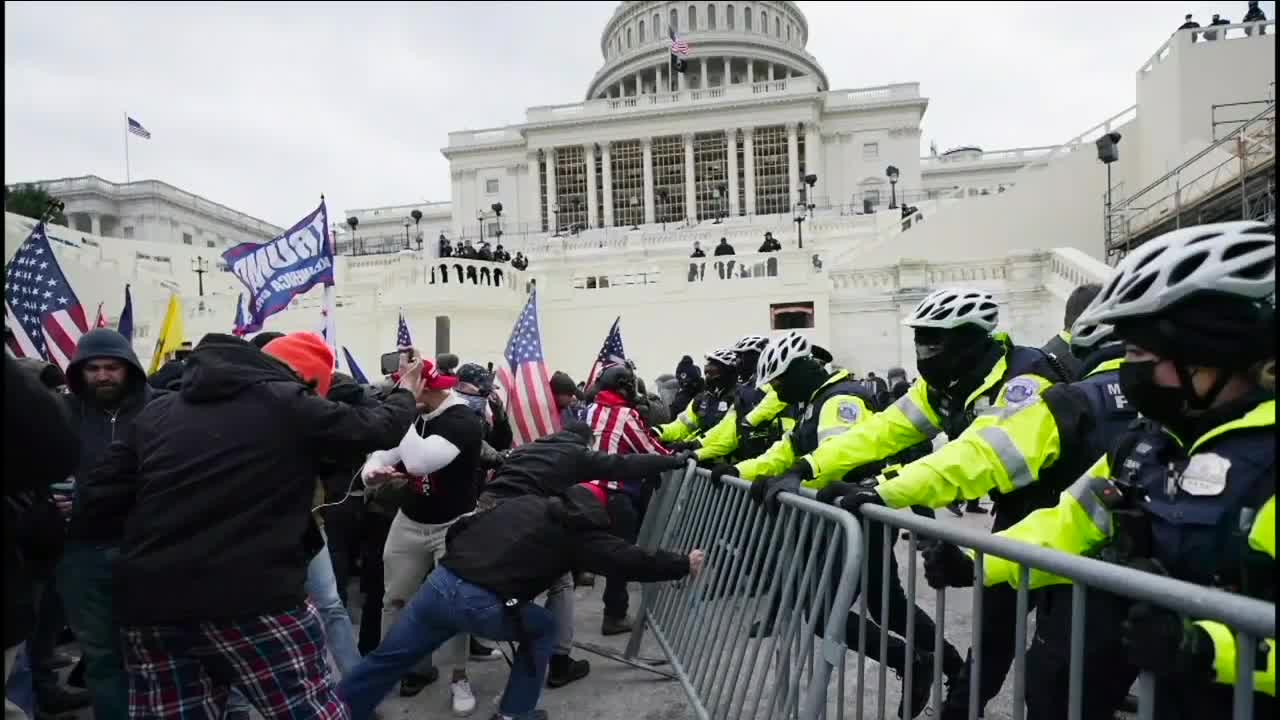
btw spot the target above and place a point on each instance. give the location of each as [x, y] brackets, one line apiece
[800, 381]
[945, 364]
[1165, 405]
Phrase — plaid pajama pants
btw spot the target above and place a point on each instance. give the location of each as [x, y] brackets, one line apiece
[277, 661]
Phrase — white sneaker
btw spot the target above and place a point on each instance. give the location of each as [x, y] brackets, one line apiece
[464, 701]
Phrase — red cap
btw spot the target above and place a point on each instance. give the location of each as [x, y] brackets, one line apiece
[309, 356]
[596, 490]
[433, 379]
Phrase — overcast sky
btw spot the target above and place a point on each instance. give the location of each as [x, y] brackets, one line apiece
[262, 106]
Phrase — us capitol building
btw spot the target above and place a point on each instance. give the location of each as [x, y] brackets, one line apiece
[607, 196]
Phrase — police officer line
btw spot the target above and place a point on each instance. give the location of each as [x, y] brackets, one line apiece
[771, 570]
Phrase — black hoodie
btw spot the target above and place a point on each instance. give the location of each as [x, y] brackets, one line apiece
[216, 482]
[523, 545]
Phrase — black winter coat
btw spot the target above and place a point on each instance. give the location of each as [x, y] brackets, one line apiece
[217, 482]
[553, 464]
[521, 546]
[39, 448]
[339, 473]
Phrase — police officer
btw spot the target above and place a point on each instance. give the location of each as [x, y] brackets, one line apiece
[1060, 346]
[966, 369]
[1189, 489]
[757, 420]
[708, 407]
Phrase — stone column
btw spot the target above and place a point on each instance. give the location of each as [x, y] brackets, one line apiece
[728, 73]
[663, 82]
[731, 145]
[793, 165]
[530, 199]
[589, 153]
[690, 181]
[553, 220]
[684, 77]
[706, 73]
[813, 156]
[749, 168]
[647, 145]
[751, 71]
[770, 72]
[95, 224]
[606, 167]
[639, 82]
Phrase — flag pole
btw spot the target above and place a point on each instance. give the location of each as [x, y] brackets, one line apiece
[126, 146]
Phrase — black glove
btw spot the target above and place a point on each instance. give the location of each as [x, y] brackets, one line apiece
[766, 490]
[680, 459]
[721, 471]
[684, 446]
[1161, 641]
[833, 493]
[859, 496]
[945, 565]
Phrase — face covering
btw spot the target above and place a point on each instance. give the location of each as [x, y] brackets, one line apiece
[942, 365]
[800, 381]
[1164, 405]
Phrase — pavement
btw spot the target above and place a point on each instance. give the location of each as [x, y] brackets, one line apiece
[614, 691]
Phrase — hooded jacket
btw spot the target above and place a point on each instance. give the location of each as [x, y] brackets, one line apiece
[619, 430]
[98, 427]
[215, 486]
[523, 545]
[551, 465]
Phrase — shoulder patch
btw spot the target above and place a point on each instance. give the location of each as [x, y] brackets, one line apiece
[848, 411]
[1020, 392]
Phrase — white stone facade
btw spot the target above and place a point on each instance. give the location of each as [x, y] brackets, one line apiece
[154, 211]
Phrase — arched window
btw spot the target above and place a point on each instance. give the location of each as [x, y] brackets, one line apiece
[628, 38]
[728, 16]
[746, 19]
[642, 32]
[675, 19]
[693, 18]
[619, 43]
[657, 26]
[777, 27]
[711, 17]
[764, 22]
[788, 32]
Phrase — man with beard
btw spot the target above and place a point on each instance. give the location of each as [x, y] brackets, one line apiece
[108, 390]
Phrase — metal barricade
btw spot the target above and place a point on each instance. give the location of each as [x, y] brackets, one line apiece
[1249, 619]
[745, 638]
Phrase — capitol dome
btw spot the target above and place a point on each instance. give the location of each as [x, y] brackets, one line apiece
[730, 43]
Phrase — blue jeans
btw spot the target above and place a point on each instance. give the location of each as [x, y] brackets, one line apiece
[444, 606]
[20, 689]
[84, 579]
[339, 635]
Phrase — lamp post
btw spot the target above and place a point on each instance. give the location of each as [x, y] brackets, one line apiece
[480, 222]
[801, 208]
[811, 180]
[1109, 153]
[406, 233]
[417, 219]
[555, 219]
[200, 267]
[497, 215]
[352, 222]
[892, 173]
[662, 207]
[635, 212]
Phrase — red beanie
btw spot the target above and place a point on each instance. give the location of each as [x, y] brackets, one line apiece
[309, 356]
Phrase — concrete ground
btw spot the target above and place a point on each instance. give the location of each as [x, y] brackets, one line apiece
[615, 691]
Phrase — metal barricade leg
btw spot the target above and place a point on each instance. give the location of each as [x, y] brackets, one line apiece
[975, 685]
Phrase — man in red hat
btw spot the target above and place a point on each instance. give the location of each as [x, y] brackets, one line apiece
[213, 486]
[435, 464]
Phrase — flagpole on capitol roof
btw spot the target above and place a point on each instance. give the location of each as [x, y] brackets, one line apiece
[126, 146]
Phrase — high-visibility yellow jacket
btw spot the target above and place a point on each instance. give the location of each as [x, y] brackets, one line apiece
[1015, 380]
[833, 410]
[722, 440]
[1050, 438]
[1206, 492]
[704, 411]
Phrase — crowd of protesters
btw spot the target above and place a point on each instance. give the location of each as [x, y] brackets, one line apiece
[466, 250]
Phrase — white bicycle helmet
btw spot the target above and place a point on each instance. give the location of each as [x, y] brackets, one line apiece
[724, 356]
[752, 343]
[779, 355]
[1091, 336]
[1235, 258]
[955, 307]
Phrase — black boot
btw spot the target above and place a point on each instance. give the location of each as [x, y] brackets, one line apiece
[975, 507]
[954, 509]
[413, 683]
[564, 670]
[921, 684]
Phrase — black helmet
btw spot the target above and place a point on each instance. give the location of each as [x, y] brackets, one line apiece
[474, 374]
[619, 379]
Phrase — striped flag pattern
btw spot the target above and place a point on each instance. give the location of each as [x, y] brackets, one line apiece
[530, 406]
[40, 308]
[611, 353]
[402, 334]
[136, 128]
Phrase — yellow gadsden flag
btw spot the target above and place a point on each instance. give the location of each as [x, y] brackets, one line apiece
[170, 334]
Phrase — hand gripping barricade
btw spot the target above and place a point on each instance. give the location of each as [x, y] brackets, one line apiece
[1250, 619]
[795, 572]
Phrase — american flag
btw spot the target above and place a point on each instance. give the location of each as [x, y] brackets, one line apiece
[402, 334]
[679, 46]
[136, 128]
[610, 354]
[528, 384]
[40, 308]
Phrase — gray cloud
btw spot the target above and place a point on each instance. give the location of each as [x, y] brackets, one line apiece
[262, 106]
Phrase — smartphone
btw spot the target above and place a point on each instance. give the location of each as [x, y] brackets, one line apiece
[390, 362]
[66, 488]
